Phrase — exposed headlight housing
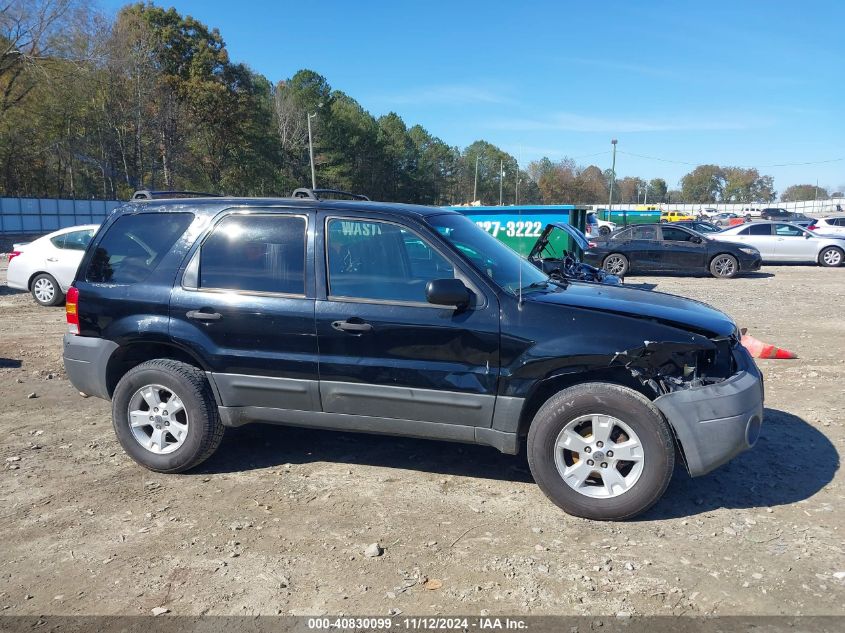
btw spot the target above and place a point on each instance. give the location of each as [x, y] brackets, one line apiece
[749, 250]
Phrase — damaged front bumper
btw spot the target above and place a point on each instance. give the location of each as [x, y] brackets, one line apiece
[714, 423]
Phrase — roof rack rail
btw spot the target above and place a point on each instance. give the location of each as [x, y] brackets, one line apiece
[146, 194]
[316, 194]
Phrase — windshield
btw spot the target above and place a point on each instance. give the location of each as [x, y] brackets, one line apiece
[487, 254]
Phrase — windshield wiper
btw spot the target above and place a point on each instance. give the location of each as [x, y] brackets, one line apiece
[535, 284]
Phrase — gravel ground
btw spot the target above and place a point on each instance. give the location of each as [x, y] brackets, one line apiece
[280, 519]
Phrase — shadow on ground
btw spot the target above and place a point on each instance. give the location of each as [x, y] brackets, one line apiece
[5, 291]
[791, 462]
[265, 446]
[690, 275]
[775, 472]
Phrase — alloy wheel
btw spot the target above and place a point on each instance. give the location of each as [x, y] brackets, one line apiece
[599, 456]
[614, 264]
[832, 257]
[724, 266]
[158, 419]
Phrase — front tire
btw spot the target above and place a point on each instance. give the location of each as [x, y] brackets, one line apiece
[165, 416]
[604, 230]
[46, 290]
[616, 264]
[601, 451]
[724, 266]
[831, 257]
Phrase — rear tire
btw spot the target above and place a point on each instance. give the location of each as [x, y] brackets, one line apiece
[616, 264]
[724, 266]
[190, 436]
[616, 488]
[46, 290]
[831, 257]
[604, 230]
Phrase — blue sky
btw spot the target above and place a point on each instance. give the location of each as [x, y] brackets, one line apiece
[734, 83]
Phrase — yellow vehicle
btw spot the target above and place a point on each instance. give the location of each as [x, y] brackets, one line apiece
[674, 216]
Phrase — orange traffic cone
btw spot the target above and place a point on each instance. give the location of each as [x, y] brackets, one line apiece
[759, 349]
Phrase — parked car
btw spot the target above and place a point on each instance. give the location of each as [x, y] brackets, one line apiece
[46, 266]
[786, 242]
[772, 213]
[700, 226]
[655, 247]
[559, 252]
[726, 219]
[595, 226]
[828, 226]
[675, 216]
[805, 222]
[400, 320]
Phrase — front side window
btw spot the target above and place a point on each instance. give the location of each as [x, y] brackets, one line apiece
[487, 255]
[255, 253]
[380, 261]
[787, 230]
[673, 234]
[134, 246]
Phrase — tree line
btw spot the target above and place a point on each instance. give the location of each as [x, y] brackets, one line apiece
[93, 107]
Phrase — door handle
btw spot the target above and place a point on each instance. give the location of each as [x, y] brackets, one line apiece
[348, 326]
[52, 259]
[203, 316]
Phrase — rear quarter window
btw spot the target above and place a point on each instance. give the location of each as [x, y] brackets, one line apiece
[134, 245]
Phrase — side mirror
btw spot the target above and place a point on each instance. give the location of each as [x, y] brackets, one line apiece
[447, 292]
[695, 239]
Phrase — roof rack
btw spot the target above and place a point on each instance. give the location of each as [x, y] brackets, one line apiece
[146, 194]
[316, 194]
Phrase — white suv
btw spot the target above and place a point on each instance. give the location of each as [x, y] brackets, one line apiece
[829, 226]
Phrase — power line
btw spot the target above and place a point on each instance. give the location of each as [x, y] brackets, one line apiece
[682, 162]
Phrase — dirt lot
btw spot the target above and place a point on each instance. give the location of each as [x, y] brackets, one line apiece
[278, 520]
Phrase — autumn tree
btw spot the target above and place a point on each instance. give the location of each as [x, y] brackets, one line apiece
[798, 193]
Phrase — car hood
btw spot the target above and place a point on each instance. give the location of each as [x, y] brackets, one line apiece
[679, 312]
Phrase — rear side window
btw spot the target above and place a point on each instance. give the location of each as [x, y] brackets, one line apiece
[134, 246]
[757, 229]
[645, 233]
[255, 253]
[74, 241]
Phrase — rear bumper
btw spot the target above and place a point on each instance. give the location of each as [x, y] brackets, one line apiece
[86, 360]
[715, 423]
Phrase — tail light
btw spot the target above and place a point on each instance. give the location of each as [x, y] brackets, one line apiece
[812, 227]
[12, 255]
[592, 244]
[72, 310]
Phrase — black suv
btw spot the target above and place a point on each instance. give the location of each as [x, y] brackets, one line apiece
[192, 315]
[774, 213]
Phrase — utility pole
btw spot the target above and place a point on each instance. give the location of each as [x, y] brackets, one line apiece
[516, 194]
[501, 179]
[645, 195]
[475, 185]
[311, 152]
[612, 180]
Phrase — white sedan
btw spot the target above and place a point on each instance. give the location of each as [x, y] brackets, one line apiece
[786, 242]
[46, 266]
[596, 227]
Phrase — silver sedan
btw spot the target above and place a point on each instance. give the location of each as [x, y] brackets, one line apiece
[787, 242]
